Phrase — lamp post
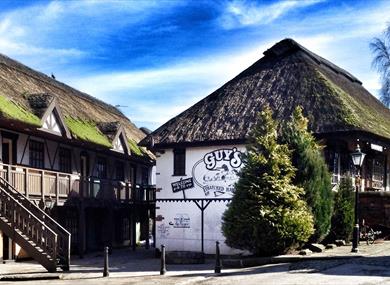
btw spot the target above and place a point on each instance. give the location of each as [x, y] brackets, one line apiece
[357, 158]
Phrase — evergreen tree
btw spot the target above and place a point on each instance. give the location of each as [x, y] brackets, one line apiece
[312, 172]
[344, 211]
[267, 214]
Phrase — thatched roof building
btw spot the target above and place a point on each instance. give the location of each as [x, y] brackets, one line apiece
[26, 94]
[288, 75]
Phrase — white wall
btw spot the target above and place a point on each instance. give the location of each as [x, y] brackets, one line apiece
[180, 227]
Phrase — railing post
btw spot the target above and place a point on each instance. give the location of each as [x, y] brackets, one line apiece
[43, 185]
[106, 272]
[163, 268]
[54, 250]
[82, 186]
[69, 184]
[218, 264]
[57, 188]
[128, 191]
[7, 174]
[26, 182]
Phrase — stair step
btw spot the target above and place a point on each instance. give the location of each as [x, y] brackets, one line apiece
[23, 234]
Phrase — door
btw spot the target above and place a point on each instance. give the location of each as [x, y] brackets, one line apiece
[7, 151]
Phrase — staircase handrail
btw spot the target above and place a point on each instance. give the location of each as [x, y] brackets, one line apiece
[64, 251]
[53, 250]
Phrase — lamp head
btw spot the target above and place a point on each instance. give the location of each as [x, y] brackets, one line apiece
[358, 157]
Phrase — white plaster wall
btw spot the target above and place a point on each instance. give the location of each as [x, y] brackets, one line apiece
[186, 235]
[152, 176]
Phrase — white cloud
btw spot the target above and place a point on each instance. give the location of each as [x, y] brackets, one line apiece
[186, 83]
[35, 29]
[12, 48]
[245, 13]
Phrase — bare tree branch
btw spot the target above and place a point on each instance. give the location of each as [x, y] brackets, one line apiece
[380, 47]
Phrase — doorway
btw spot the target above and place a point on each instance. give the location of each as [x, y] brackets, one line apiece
[9, 147]
[7, 151]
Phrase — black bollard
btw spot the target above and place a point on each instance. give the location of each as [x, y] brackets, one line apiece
[163, 268]
[218, 264]
[106, 272]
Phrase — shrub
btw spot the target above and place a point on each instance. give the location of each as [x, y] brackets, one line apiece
[312, 172]
[343, 215]
[267, 215]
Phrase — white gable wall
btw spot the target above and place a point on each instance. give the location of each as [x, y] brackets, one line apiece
[180, 227]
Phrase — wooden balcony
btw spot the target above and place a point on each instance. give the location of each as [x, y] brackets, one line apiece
[47, 185]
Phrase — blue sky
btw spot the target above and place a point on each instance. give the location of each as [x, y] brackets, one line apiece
[160, 57]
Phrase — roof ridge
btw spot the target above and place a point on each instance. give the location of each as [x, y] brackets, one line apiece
[289, 45]
[285, 72]
[20, 67]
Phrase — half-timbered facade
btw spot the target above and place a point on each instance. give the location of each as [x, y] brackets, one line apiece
[73, 156]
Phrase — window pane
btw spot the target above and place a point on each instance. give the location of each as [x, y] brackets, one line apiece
[179, 162]
[36, 150]
[120, 171]
[65, 160]
[101, 168]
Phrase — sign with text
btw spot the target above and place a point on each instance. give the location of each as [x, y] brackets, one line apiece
[182, 184]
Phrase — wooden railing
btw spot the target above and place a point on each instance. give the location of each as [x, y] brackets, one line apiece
[38, 182]
[93, 187]
[20, 218]
[63, 236]
[50, 185]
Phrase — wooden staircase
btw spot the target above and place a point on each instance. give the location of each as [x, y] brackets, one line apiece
[36, 232]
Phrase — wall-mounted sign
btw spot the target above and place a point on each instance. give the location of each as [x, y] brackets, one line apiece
[182, 184]
[181, 221]
[218, 171]
[376, 147]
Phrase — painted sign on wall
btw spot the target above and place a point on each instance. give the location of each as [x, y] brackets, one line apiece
[163, 231]
[217, 172]
[181, 221]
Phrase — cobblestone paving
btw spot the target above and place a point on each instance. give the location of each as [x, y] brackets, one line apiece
[371, 266]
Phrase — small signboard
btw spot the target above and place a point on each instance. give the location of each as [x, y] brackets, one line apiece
[182, 185]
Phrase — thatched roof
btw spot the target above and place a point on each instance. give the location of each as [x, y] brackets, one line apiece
[25, 94]
[39, 103]
[288, 75]
[110, 129]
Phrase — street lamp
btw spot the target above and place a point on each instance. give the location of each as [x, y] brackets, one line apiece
[357, 158]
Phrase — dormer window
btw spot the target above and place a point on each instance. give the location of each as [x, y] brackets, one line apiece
[116, 133]
[46, 108]
[118, 145]
[51, 124]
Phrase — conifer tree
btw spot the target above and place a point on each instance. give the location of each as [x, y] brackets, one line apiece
[267, 215]
[312, 172]
[343, 215]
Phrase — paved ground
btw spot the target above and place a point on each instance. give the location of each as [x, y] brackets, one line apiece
[371, 266]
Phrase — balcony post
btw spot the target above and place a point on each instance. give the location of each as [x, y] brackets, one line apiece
[7, 174]
[128, 185]
[43, 186]
[70, 184]
[26, 182]
[57, 187]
